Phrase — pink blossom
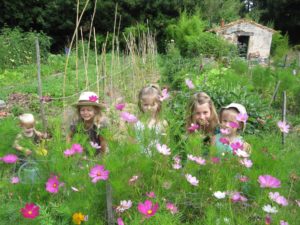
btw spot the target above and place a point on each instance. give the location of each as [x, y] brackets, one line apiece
[189, 83]
[199, 160]
[215, 160]
[224, 131]
[95, 145]
[237, 145]
[127, 117]
[241, 153]
[193, 127]
[237, 197]
[77, 148]
[283, 126]
[192, 180]
[278, 198]
[151, 194]
[53, 184]
[120, 106]
[177, 165]
[172, 208]
[69, 152]
[163, 149]
[234, 125]
[120, 221]
[268, 220]
[9, 159]
[242, 117]
[224, 141]
[14, 180]
[30, 211]
[93, 98]
[243, 178]
[282, 222]
[98, 173]
[133, 179]
[147, 209]
[267, 181]
[164, 94]
[124, 205]
[246, 162]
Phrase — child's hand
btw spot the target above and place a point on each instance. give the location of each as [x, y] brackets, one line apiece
[28, 152]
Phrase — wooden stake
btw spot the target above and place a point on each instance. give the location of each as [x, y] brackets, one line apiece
[284, 115]
[275, 93]
[110, 214]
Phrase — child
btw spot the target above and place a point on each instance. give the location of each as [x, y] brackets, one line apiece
[89, 119]
[232, 122]
[29, 137]
[202, 115]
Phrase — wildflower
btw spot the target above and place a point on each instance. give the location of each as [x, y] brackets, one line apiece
[127, 117]
[78, 218]
[77, 148]
[241, 153]
[282, 222]
[172, 208]
[147, 209]
[151, 194]
[95, 145]
[215, 160]
[192, 180]
[189, 83]
[242, 117]
[124, 205]
[199, 160]
[133, 179]
[120, 106]
[74, 189]
[268, 220]
[194, 127]
[283, 126]
[69, 152]
[120, 221]
[278, 198]
[237, 197]
[269, 209]
[243, 178]
[224, 141]
[219, 194]
[177, 165]
[163, 149]
[267, 181]
[30, 211]
[164, 94]
[98, 173]
[224, 131]
[93, 98]
[246, 162]
[234, 125]
[9, 159]
[14, 180]
[53, 184]
[237, 145]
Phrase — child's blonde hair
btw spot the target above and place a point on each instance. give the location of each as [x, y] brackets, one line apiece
[152, 90]
[201, 98]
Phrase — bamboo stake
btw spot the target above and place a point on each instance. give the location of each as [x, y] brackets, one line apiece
[275, 93]
[76, 42]
[110, 214]
[90, 34]
[283, 116]
[97, 69]
[84, 61]
[113, 52]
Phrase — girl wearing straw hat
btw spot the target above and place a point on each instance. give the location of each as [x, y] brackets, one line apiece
[89, 120]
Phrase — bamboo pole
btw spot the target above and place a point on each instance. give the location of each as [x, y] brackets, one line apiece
[90, 34]
[109, 208]
[84, 61]
[97, 69]
[112, 53]
[275, 93]
[76, 43]
[283, 116]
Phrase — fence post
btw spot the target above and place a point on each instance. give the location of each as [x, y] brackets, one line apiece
[110, 214]
[283, 115]
[275, 93]
[38, 62]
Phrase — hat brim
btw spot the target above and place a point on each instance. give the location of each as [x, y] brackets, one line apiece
[99, 105]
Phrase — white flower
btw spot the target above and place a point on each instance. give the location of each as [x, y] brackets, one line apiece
[220, 195]
[241, 153]
[124, 205]
[163, 149]
[270, 209]
[95, 145]
[192, 180]
[246, 162]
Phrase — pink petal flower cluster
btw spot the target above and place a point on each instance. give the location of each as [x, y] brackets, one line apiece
[124, 205]
[224, 141]
[53, 184]
[246, 162]
[98, 173]
[192, 180]
[14, 180]
[243, 178]
[95, 145]
[147, 209]
[242, 117]
[224, 131]
[237, 197]
[9, 159]
[127, 117]
[120, 221]
[172, 208]
[151, 194]
[241, 153]
[282, 222]
[30, 211]
[133, 179]
[177, 163]
[215, 160]
[163, 149]
[283, 126]
[194, 127]
[164, 94]
[234, 125]
[267, 181]
[120, 106]
[276, 197]
[237, 145]
[93, 98]
[76, 148]
[199, 160]
[189, 83]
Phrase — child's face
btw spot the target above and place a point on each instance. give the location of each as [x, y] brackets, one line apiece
[27, 127]
[149, 105]
[227, 117]
[87, 113]
[202, 114]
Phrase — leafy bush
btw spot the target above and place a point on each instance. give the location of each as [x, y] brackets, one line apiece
[280, 46]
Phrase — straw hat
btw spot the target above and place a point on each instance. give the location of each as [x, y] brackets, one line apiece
[240, 108]
[89, 98]
[26, 118]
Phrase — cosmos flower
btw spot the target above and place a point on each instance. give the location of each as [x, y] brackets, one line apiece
[53, 184]
[246, 162]
[98, 173]
[120, 106]
[163, 149]
[276, 197]
[14, 180]
[224, 141]
[242, 117]
[147, 208]
[150, 194]
[127, 117]
[172, 208]
[192, 180]
[267, 181]
[194, 127]
[283, 126]
[219, 194]
[9, 159]
[120, 221]
[93, 98]
[269, 209]
[124, 205]
[30, 211]
[189, 83]
[164, 94]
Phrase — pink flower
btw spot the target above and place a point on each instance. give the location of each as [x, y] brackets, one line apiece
[163, 149]
[267, 181]
[199, 160]
[215, 160]
[164, 94]
[237, 197]
[150, 194]
[282, 222]
[95, 145]
[133, 179]
[234, 125]
[98, 173]
[120, 221]
[93, 98]
[127, 117]
[124, 205]
[77, 148]
[53, 184]
[268, 220]
[193, 128]
[241, 153]
[278, 198]
[224, 141]
[189, 83]
[283, 126]
[224, 131]
[192, 180]
[120, 106]
[30, 211]
[237, 145]
[177, 165]
[14, 180]
[172, 208]
[243, 178]
[69, 152]
[246, 162]
[9, 159]
[242, 117]
[147, 209]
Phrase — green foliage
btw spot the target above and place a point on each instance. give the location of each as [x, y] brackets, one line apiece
[280, 46]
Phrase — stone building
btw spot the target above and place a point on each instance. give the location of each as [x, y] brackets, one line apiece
[252, 39]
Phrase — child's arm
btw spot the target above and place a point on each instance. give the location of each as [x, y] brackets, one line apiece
[20, 148]
[213, 140]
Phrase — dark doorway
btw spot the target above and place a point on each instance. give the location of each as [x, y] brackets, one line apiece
[243, 42]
